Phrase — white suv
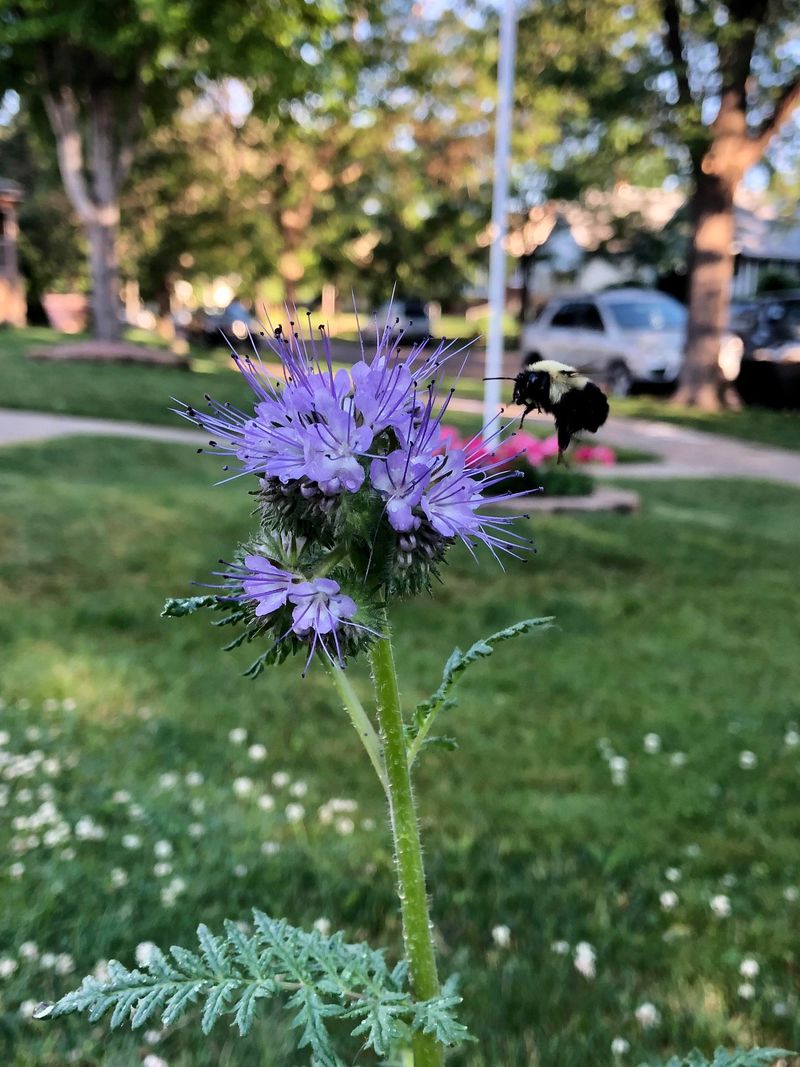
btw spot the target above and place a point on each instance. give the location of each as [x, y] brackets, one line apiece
[622, 336]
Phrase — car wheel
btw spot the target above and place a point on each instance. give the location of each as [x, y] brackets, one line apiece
[619, 379]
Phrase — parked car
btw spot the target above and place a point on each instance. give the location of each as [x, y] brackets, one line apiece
[770, 368]
[412, 313]
[623, 336]
[234, 321]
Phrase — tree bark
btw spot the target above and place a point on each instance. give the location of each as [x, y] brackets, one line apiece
[711, 273]
[104, 269]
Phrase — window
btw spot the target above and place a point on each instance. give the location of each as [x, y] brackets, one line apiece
[591, 318]
[578, 316]
[647, 314]
[567, 316]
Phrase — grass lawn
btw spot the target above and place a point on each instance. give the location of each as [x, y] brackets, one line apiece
[678, 621]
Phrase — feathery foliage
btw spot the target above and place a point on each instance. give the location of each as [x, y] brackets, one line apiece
[426, 712]
[320, 978]
[754, 1057]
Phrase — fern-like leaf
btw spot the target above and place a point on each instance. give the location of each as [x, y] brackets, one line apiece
[319, 979]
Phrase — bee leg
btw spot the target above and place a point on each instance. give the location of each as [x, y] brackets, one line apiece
[528, 409]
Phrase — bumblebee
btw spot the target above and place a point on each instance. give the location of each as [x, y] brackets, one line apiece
[575, 400]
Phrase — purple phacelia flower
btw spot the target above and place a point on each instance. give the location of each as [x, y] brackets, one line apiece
[266, 584]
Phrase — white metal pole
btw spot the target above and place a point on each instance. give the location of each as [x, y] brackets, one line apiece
[497, 256]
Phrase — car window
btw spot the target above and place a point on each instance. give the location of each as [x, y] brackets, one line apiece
[591, 318]
[566, 316]
[647, 314]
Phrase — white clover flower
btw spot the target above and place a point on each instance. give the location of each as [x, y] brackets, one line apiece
[136, 811]
[50, 705]
[728, 881]
[168, 780]
[119, 877]
[294, 812]
[747, 760]
[197, 805]
[257, 753]
[64, 964]
[749, 967]
[618, 766]
[678, 759]
[51, 767]
[238, 735]
[33, 733]
[86, 829]
[270, 848]
[647, 1015]
[693, 850]
[791, 894]
[69, 704]
[367, 824]
[145, 951]
[243, 787]
[746, 990]
[780, 1008]
[121, 796]
[501, 935]
[652, 745]
[27, 1008]
[152, 1037]
[668, 899]
[561, 948]
[792, 737]
[48, 960]
[585, 960]
[7, 966]
[29, 950]
[100, 970]
[322, 926]
[68, 854]
[280, 779]
[344, 825]
[266, 802]
[162, 850]
[131, 841]
[172, 891]
[5, 737]
[620, 1047]
[151, 1060]
[721, 906]
[194, 779]
[162, 869]
[195, 829]
[240, 870]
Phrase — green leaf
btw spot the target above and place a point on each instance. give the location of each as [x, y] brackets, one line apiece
[458, 662]
[754, 1057]
[176, 607]
[319, 978]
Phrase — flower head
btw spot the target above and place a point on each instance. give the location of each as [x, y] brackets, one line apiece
[361, 491]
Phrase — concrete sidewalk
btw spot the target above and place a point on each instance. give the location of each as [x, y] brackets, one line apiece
[684, 453]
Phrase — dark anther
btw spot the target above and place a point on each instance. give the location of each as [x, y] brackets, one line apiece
[278, 331]
[213, 444]
[207, 397]
[199, 450]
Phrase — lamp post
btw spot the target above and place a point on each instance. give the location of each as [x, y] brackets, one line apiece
[497, 257]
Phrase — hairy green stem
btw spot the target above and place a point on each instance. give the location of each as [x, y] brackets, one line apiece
[360, 720]
[408, 847]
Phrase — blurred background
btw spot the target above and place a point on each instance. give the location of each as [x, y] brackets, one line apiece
[615, 849]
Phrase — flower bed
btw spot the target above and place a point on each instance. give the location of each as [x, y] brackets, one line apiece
[535, 459]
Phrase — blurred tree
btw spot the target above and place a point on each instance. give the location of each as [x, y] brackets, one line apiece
[104, 72]
[736, 81]
[51, 255]
[694, 87]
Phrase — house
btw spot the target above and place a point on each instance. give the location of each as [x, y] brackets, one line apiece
[632, 235]
[12, 293]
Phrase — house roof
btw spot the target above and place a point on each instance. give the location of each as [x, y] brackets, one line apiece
[763, 230]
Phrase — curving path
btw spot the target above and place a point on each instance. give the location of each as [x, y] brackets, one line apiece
[684, 453]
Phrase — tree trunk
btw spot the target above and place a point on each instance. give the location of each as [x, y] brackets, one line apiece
[526, 270]
[104, 267]
[711, 273]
